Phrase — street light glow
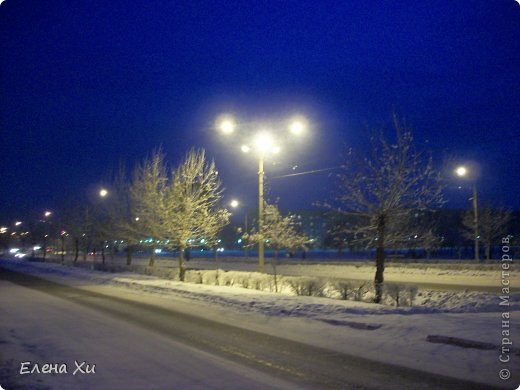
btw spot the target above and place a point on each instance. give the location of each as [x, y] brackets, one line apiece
[297, 127]
[17, 223]
[103, 193]
[461, 171]
[226, 124]
[47, 213]
[264, 141]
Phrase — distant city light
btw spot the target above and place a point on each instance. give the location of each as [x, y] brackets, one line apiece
[245, 148]
[158, 250]
[17, 223]
[47, 213]
[3, 230]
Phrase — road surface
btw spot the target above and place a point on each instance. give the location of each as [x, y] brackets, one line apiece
[142, 346]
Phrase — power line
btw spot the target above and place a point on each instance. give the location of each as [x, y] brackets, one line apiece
[306, 173]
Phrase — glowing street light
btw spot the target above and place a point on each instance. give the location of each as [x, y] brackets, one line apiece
[462, 171]
[227, 127]
[297, 127]
[17, 223]
[47, 214]
[226, 124]
[234, 203]
[263, 143]
[103, 192]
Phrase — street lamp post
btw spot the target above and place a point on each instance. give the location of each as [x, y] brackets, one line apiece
[261, 257]
[46, 215]
[234, 204]
[463, 172]
[264, 144]
[475, 221]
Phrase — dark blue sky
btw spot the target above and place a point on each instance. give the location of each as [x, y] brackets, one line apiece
[85, 84]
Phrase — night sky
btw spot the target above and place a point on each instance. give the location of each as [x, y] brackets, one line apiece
[86, 84]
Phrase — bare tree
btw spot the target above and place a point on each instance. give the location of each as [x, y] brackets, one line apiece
[76, 225]
[419, 231]
[383, 189]
[191, 203]
[279, 233]
[147, 192]
[215, 222]
[341, 232]
[493, 222]
[119, 221]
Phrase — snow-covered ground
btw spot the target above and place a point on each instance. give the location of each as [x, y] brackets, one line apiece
[157, 363]
[449, 274]
[383, 333]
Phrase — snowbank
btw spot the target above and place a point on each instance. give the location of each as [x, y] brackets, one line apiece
[364, 329]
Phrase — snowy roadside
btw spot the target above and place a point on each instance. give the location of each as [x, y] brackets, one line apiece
[393, 335]
[445, 273]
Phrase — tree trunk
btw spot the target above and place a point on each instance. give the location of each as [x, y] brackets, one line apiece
[152, 258]
[76, 250]
[181, 264]
[44, 247]
[85, 251]
[128, 253]
[62, 250]
[488, 250]
[380, 259]
[103, 252]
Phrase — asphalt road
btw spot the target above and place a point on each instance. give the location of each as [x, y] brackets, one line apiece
[303, 365]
